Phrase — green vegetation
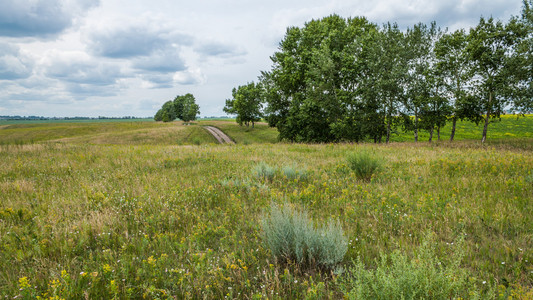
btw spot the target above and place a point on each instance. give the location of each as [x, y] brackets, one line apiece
[152, 219]
[363, 165]
[260, 133]
[347, 79]
[293, 239]
[246, 104]
[182, 107]
[423, 276]
[132, 133]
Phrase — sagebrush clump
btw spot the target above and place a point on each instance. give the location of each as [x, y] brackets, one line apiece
[264, 171]
[292, 238]
[294, 173]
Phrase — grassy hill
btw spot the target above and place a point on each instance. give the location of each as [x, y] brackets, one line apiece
[125, 132]
[123, 211]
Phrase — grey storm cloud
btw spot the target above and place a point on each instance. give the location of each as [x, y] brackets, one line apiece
[13, 64]
[41, 18]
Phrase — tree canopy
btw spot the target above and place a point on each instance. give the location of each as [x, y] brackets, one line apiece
[182, 107]
[347, 79]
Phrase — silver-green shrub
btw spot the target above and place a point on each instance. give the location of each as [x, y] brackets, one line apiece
[363, 164]
[292, 238]
[264, 171]
[293, 173]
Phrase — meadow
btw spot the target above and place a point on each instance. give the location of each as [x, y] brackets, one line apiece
[159, 211]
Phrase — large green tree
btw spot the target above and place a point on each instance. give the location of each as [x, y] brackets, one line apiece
[457, 69]
[490, 48]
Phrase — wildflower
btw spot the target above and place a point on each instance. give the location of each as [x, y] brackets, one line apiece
[107, 268]
[24, 283]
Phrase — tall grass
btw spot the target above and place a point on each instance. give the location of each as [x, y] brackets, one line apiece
[160, 220]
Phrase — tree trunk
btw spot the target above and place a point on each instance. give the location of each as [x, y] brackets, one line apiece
[484, 137]
[431, 135]
[454, 122]
[388, 129]
[416, 127]
[438, 133]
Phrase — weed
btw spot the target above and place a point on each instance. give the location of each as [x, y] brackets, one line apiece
[423, 276]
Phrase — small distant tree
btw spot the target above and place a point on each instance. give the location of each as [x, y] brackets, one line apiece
[182, 107]
[246, 104]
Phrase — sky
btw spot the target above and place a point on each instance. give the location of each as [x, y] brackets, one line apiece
[66, 58]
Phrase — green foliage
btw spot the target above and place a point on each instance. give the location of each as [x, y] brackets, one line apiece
[423, 276]
[246, 104]
[363, 164]
[337, 79]
[264, 171]
[182, 107]
[292, 238]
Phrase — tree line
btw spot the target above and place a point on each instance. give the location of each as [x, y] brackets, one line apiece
[338, 79]
[183, 107]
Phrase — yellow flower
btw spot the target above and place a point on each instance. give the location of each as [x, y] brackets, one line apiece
[24, 283]
[107, 268]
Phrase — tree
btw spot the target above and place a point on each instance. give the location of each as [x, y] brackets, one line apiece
[246, 104]
[189, 108]
[522, 60]
[182, 107]
[385, 89]
[489, 48]
[457, 68]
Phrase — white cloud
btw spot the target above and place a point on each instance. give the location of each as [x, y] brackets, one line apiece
[14, 64]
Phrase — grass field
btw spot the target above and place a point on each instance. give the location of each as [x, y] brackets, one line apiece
[125, 212]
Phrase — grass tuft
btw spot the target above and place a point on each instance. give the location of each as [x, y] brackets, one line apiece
[363, 164]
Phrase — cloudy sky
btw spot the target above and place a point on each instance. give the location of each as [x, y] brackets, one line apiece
[127, 57]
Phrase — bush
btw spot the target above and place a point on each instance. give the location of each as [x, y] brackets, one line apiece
[363, 164]
[399, 277]
[292, 238]
[293, 173]
[264, 171]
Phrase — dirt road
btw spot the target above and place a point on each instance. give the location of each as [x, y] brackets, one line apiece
[219, 135]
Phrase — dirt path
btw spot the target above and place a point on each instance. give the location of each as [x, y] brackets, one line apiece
[219, 135]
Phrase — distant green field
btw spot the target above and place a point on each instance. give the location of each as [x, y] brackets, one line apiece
[11, 122]
[510, 126]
